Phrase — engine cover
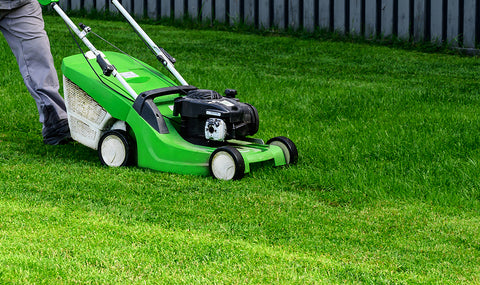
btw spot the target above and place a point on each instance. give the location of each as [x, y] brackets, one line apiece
[198, 106]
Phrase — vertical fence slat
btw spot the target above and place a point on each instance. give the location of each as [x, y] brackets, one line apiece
[193, 9]
[452, 21]
[220, 11]
[324, 14]
[339, 16]
[387, 17]
[234, 13]
[294, 14]
[75, 5]
[125, 4]
[207, 10]
[279, 13]
[436, 24]
[355, 16]
[419, 20]
[100, 5]
[179, 11]
[263, 15]
[309, 15]
[370, 18]
[88, 5]
[165, 8]
[469, 23]
[152, 11]
[249, 10]
[63, 5]
[404, 19]
[138, 8]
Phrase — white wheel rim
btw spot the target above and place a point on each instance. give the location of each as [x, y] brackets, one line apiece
[113, 151]
[223, 166]
[284, 148]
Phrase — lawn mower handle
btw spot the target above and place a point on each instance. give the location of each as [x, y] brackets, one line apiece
[106, 67]
[160, 53]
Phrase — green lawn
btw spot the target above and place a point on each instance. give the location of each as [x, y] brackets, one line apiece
[387, 188]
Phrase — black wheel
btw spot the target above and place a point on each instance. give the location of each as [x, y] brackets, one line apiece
[115, 148]
[226, 163]
[288, 147]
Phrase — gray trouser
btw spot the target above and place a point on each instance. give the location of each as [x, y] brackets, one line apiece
[23, 29]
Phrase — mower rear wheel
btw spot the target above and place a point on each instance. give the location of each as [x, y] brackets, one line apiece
[288, 147]
[226, 163]
[115, 148]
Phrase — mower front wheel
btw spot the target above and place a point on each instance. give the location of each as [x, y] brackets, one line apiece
[288, 147]
[226, 163]
[115, 148]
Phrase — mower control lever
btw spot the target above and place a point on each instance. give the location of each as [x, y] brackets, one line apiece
[84, 27]
[107, 68]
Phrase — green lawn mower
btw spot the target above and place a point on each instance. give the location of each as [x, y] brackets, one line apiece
[132, 114]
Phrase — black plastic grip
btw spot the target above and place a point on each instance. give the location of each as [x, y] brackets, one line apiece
[107, 69]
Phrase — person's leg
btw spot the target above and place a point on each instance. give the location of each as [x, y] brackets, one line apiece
[23, 29]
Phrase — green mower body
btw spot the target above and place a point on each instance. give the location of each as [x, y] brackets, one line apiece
[152, 128]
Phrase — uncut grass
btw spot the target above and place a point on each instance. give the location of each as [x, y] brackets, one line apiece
[386, 189]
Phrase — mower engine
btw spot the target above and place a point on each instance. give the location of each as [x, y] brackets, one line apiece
[207, 117]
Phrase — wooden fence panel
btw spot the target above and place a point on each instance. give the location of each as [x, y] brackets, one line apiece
[454, 21]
